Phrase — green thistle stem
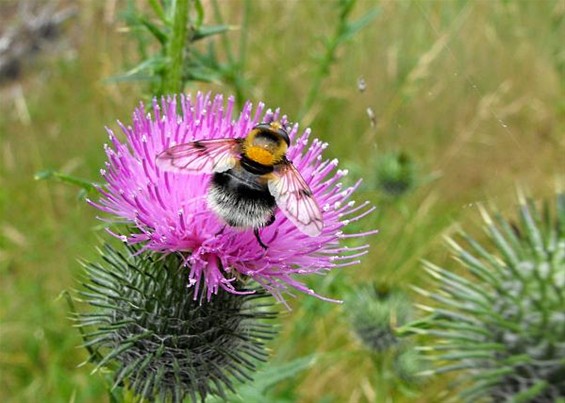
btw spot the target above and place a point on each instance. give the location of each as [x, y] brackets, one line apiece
[173, 83]
[326, 61]
[380, 381]
[345, 29]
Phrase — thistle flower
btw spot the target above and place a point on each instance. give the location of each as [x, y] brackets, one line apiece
[500, 323]
[160, 343]
[170, 214]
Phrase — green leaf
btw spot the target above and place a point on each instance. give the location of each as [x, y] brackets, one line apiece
[268, 378]
[145, 70]
[531, 393]
[155, 30]
[49, 174]
[158, 9]
[199, 14]
[353, 28]
[203, 75]
[277, 373]
[210, 30]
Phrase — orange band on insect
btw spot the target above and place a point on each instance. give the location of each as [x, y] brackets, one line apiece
[260, 155]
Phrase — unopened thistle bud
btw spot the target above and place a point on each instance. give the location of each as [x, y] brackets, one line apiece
[375, 312]
[500, 323]
[395, 174]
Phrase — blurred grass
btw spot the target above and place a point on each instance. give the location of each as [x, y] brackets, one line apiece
[471, 90]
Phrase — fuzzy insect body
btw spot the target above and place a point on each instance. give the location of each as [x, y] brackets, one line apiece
[241, 198]
[252, 177]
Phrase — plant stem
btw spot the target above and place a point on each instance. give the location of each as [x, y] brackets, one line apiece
[173, 82]
[239, 80]
[327, 59]
[235, 77]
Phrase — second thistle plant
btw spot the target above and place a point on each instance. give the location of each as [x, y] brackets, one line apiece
[500, 323]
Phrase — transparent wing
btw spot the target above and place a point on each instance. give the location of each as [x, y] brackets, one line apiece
[202, 156]
[295, 199]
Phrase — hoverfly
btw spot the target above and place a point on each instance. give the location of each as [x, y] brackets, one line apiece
[251, 178]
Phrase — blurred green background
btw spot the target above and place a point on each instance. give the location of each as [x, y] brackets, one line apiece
[471, 91]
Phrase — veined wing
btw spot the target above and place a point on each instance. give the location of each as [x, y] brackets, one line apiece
[201, 156]
[295, 199]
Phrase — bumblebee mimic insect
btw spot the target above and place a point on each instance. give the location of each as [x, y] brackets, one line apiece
[251, 178]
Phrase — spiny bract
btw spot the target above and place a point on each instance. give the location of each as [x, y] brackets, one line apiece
[160, 341]
[501, 321]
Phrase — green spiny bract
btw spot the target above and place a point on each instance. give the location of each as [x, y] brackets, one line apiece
[374, 312]
[161, 342]
[500, 323]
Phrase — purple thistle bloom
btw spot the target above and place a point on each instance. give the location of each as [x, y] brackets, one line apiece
[171, 214]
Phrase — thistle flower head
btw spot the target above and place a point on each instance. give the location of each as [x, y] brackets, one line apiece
[170, 213]
[500, 323]
[160, 343]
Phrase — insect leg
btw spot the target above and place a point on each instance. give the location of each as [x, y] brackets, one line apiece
[256, 233]
[220, 232]
[271, 220]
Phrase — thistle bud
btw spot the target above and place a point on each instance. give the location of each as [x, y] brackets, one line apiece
[375, 312]
[148, 326]
[499, 322]
[395, 174]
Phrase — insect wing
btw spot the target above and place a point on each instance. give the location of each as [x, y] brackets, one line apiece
[295, 199]
[201, 156]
